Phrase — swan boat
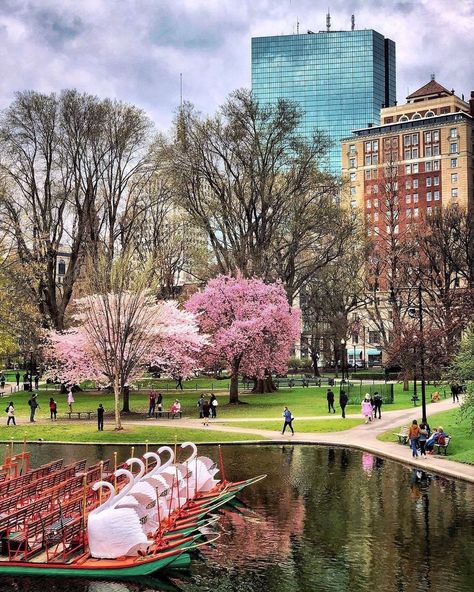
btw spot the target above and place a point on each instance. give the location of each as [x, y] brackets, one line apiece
[80, 522]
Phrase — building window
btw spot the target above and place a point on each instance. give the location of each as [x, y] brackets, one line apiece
[408, 199]
[427, 137]
[408, 169]
[429, 211]
[374, 337]
[353, 176]
[453, 132]
[61, 268]
[414, 139]
[428, 181]
[375, 159]
[376, 203]
[406, 140]
[352, 163]
[436, 195]
[414, 152]
[436, 165]
[415, 198]
[415, 168]
[375, 188]
[453, 147]
[454, 177]
[454, 192]
[353, 190]
[408, 212]
[435, 181]
[352, 148]
[415, 183]
[429, 114]
[407, 153]
[353, 203]
[368, 146]
[416, 116]
[435, 149]
[375, 146]
[428, 196]
[436, 136]
[408, 184]
[415, 212]
[403, 118]
[454, 163]
[368, 160]
[369, 204]
[428, 151]
[376, 216]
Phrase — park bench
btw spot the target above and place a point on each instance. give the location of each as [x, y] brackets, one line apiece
[440, 447]
[168, 414]
[402, 435]
[80, 414]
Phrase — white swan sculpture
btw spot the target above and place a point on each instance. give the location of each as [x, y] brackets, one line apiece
[113, 531]
[202, 468]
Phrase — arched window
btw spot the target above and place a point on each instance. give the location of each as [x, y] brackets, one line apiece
[416, 115]
[403, 118]
[429, 114]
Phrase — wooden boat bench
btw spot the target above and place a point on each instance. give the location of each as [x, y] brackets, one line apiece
[440, 447]
[80, 414]
[168, 414]
[402, 435]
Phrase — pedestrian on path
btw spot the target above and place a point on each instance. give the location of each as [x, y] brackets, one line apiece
[288, 418]
[11, 414]
[343, 399]
[200, 405]
[214, 404]
[413, 436]
[2, 381]
[377, 402]
[70, 399]
[424, 433]
[206, 411]
[100, 418]
[455, 390]
[366, 407]
[53, 408]
[159, 404]
[330, 400]
[33, 403]
[17, 376]
[151, 403]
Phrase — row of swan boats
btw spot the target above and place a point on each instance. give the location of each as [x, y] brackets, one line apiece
[145, 516]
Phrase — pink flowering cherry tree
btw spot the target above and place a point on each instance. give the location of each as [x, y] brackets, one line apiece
[251, 328]
[118, 335]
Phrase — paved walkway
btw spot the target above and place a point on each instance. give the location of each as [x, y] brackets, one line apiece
[362, 437]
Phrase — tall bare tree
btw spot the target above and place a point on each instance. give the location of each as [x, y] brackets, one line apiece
[255, 187]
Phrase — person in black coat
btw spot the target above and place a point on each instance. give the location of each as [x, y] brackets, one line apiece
[330, 400]
[343, 399]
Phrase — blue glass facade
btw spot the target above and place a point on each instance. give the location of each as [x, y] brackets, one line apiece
[340, 79]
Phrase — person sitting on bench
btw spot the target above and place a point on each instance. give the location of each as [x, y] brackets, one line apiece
[438, 437]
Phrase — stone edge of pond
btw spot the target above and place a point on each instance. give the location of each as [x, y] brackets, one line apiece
[452, 473]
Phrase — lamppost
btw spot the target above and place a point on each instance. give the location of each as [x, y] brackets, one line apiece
[413, 313]
[31, 369]
[343, 358]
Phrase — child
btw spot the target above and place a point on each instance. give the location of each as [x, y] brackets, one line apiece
[367, 408]
[100, 418]
[70, 399]
[52, 408]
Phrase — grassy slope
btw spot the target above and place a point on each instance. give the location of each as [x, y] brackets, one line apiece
[461, 447]
[304, 425]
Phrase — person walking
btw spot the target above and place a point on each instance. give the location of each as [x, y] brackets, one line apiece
[11, 413]
[343, 399]
[33, 403]
[214, 404]
[2, 381]
[206, 410]
[70, 399]
[200, 405]
[366, 407]
[26, 382]
[424, 433]
[151, 403]
[179, 383]
[377, 403]
[17, 376]
[288, 419]
[413, 436]
[53, 408]
[455, 392]
[159, 404]
[100, 418]
[330, 400]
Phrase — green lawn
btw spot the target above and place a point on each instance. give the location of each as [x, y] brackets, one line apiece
[302, 402]
[304, 425]
[87, 432]
[461, 447]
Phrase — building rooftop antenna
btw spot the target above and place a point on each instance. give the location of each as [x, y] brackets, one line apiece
[432, 76]
[297, 26]
[328, 21]
[353, 22]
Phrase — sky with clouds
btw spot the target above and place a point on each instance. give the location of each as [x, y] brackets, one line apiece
[135, 50]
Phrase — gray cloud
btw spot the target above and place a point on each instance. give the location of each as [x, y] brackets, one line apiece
[135, 49]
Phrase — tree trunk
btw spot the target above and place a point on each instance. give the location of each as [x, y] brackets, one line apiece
[126, 399]
[264, 385]
[234, 387]
[117, 392]
[406, 384]
[315, 360]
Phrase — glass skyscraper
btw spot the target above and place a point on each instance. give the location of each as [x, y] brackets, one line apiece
[340, 79]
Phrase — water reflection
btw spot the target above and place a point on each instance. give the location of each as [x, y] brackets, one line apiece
[324, 520]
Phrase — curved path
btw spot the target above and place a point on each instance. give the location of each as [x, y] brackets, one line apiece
[362, 437]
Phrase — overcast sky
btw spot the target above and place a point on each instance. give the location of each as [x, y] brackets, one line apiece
[135, 49]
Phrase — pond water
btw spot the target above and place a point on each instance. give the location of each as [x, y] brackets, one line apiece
[324, 519]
